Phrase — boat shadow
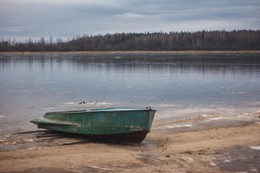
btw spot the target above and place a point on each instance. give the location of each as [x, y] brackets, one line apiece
[122, 139]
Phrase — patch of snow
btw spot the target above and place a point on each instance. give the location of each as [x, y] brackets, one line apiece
[204, 116]
[49, 108]
[71, 103]
[29, 140]
[255, 147]
[215, 118]
[188, 159]
[227, 161]
[213, 164]
[178, 125]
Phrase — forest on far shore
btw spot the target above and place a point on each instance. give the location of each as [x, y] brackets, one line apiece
[156, 41]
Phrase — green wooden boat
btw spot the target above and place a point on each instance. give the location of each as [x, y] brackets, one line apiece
[124, 124]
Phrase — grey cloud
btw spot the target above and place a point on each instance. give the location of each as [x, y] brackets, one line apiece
[53, 17]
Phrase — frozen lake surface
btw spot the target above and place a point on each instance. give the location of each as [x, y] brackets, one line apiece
[32, 84]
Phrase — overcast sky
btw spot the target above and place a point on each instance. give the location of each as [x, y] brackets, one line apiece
[68, 18]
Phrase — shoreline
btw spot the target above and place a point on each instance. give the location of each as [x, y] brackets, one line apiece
[141, 52]
[202, 143]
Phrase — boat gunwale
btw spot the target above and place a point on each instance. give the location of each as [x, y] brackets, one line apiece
[96, 111]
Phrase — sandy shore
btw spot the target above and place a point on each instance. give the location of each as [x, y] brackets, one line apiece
[197, 144]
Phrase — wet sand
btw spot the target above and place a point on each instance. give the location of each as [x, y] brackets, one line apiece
[203, 143]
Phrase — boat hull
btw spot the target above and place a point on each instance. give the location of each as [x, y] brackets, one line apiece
[109, 123]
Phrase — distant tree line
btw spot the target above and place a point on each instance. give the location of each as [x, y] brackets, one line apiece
[157, 41]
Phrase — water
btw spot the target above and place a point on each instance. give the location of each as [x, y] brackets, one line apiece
[31, 84]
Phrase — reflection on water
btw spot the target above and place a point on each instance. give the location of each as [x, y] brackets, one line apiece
[32, 83]
[202, 63]
[146, 78]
